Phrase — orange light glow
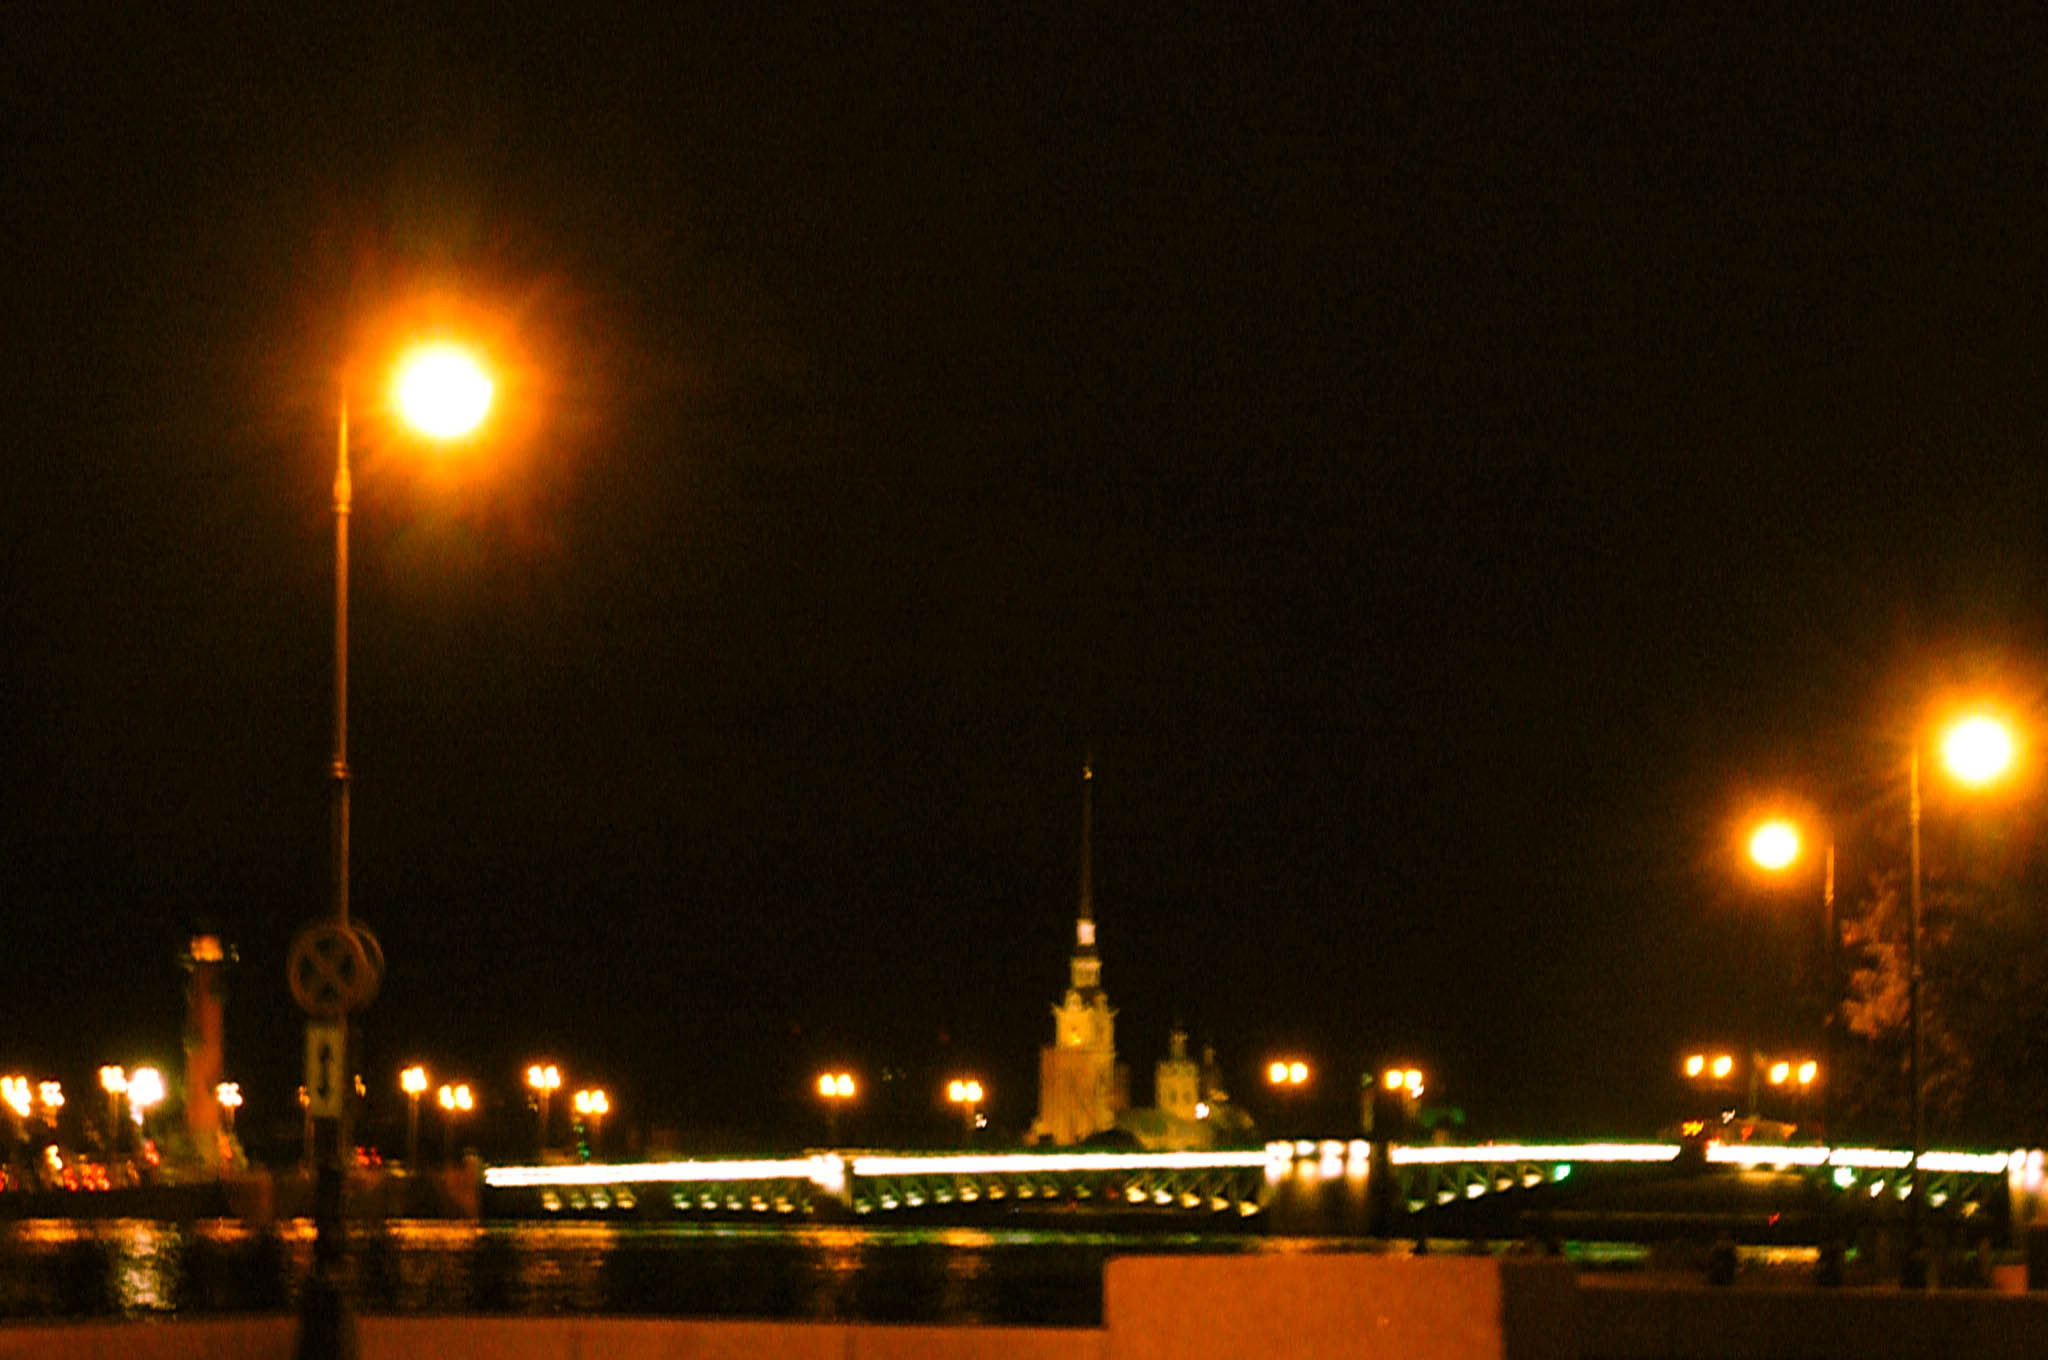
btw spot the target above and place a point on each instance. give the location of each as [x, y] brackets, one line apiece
[1977, 750]
[441, 391]
[1774, 845]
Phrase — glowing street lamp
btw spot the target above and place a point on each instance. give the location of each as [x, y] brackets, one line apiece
[453, 1100]
[835, 1089]
[591, 1107]
[966, 1093]
[412, 1081]
[442, 399]
[114, 1081]
[545, 1079]
[1775, 845]
[16, 1093]
[1287, 1072]
[1976, 750]
[145, 1092]
[229, 1094]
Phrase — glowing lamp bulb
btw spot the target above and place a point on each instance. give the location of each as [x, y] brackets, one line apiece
[1774, 845]
[442, 392]
[1977, 750]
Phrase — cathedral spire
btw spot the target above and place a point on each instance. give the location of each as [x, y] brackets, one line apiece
[1086, 967]
[1085, 927]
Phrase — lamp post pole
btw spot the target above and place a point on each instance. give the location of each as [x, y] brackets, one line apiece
[1916, 1207]
[1827, 1024]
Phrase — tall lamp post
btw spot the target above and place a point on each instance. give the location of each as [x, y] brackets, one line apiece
[114, 1081]
[835, 1089]
[966, 1092]
[335, 964]
[412, 1081]
[454, 1100]
[545, 1079]
[1976, 752]
[1774, 846]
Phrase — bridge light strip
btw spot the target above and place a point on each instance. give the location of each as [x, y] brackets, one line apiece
[997, 1164]
[1488, 1154]
[823, 1170]
[1979, 1163]
[1767, 1154]
[1859, 1159]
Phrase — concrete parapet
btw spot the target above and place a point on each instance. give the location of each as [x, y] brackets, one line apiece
[269, 1338]
[1338, 1304]
[1260, 1307]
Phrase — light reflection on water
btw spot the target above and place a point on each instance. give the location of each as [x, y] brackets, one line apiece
[821, 1272]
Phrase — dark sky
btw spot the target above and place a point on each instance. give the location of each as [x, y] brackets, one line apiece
[1439, 468]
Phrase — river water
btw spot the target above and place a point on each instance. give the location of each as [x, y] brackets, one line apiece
[1040, 1277]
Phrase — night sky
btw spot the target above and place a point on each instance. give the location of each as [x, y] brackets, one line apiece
[1441, 470]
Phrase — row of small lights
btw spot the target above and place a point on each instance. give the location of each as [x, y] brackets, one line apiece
[837, 1086]
[1406, 1081]
[143, 1089]
[1801, 1072]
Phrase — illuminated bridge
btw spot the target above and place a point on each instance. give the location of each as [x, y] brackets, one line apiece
[1487, 1189]
[1236, 1182]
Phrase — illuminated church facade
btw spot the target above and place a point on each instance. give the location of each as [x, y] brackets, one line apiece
[1081, 1086]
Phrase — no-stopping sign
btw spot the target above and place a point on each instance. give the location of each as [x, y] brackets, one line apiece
[334, 968]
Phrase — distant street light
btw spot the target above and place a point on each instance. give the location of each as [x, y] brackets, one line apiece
[412, 1081]
[114, 1081]
[453, 1100]
[229, 1094]
[545, 1079]
[835, 1089]
[591, 1107]
[966, 1093]
[1405, 1080]
[145, 1092]
[1287, 1072]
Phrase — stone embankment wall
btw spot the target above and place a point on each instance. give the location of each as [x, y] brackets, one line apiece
[1190, 1308]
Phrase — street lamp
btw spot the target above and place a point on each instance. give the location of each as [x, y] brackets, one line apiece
[1976, 751]
[591, 1107]
[114, 1081]
[412, 1081]
[544, 1079]
[145, 1092]
[966, 1093]
[335, 965]
[835, 1088]
[453, 1100]
[1287, 1072]
[1774, 846]
[229, 1094]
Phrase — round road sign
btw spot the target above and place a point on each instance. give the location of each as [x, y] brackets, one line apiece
[331, 970]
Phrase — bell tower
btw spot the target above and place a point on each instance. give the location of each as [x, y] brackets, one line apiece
[1078, 1088]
